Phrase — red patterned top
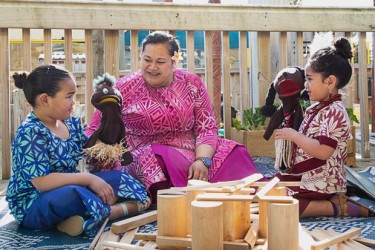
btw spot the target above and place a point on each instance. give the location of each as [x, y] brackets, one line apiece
[331, 127]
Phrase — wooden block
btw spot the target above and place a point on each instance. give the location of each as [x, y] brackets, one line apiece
[252, 234]
[249, 180]
[107, 236]
[279, 184]
[128, 236]
[112, 244]
[223, 197]
[150, 245]
[349, 242]
[305, 239]
[236, 219]
[146, 236]
[207, 225]
[98, 234]
[271, 184]
[133, 222]
[365, 241]
[167, 241]
[282, 217]
[172, 215]
[197, 187]
[333, 240]
[275, 199]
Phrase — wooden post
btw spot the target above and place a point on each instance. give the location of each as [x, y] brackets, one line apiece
[283, 223]
[263, 205]
[236, 219]
[207, 221]
[191, 196]
[172, 217]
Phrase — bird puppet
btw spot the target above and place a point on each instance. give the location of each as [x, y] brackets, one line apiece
[289, 86]
[107, 146]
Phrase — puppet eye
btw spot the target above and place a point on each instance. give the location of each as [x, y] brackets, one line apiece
[105, 91]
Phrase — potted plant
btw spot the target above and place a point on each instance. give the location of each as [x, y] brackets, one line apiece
[249, 132]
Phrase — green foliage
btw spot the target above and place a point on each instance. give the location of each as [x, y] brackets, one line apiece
[252, 119]
[351, 115]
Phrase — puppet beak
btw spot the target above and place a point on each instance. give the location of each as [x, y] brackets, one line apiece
[109, 99]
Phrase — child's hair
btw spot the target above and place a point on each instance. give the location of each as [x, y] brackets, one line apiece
[334, 61]
[43, 79]
[157, 37]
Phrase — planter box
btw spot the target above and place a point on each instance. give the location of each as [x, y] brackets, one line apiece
[254, 142]
[350, 159]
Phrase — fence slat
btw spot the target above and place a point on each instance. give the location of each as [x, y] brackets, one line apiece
[5, 105]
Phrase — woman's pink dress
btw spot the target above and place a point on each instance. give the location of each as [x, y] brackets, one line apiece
[165, 125]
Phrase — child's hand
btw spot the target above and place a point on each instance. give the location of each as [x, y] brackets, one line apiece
[285, 133]
[102, 189]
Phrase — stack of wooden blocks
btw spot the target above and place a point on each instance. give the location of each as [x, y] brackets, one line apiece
[234, 215]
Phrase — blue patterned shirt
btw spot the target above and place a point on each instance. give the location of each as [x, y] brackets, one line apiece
[36, 152]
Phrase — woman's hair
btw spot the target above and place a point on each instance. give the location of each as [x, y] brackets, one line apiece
[334, 61]
[157, 37]
[43, 79]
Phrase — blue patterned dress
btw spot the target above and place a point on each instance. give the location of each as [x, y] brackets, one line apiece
[36, 152]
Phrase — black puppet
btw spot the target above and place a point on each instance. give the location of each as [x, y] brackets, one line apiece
[289, 86]
[107, 145]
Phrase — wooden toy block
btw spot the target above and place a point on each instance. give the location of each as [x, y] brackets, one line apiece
[145, 236]
[365, 241]
[172, 216]
[117, 245]
[129, 236]
[282, 224]
[207, 225]
[98, 234]
[197, 187]
[333, 240]
[133, 222]
[252, 234]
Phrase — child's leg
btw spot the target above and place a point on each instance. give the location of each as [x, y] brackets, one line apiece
[128, 208]
[318, 208]
[124, 185]
[54, 207]
[58, 205]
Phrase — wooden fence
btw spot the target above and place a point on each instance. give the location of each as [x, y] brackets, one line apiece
[109, 18]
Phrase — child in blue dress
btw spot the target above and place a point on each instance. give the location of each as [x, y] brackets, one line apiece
[46, 190]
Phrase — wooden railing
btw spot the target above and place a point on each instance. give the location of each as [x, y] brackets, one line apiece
[255, 22]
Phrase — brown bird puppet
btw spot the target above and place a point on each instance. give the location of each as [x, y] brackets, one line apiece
[107, 145]
[289, 86]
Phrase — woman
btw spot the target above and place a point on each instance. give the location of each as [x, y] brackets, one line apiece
[169, 122]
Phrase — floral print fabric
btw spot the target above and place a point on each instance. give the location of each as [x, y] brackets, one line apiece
[331, 127]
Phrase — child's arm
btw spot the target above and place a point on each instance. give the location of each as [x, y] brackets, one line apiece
[309, 145]
[55, 180]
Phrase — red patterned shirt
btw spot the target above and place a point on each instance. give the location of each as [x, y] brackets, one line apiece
[331, 127]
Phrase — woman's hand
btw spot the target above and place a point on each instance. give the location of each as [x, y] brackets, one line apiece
[198, 171]
[102, 189]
